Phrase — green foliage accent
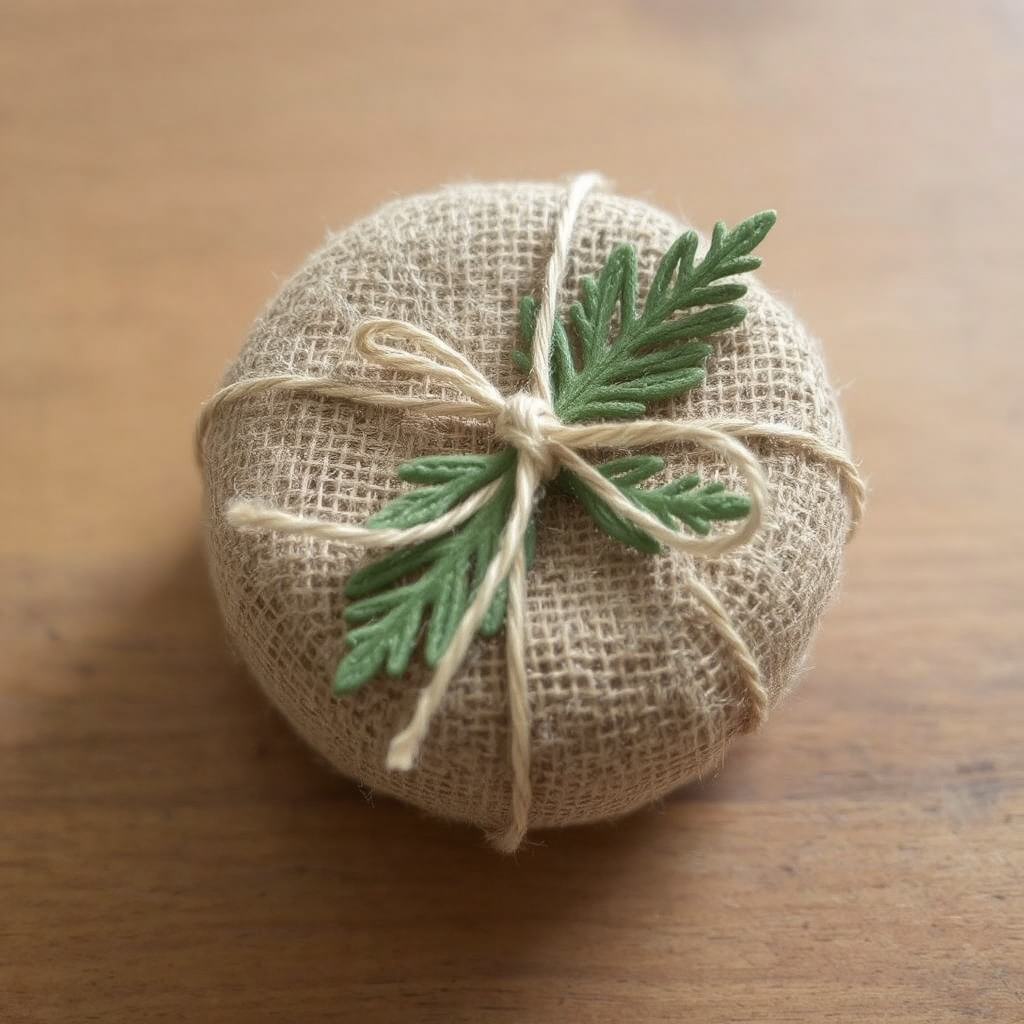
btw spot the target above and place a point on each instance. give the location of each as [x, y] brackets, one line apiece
[449, 479]
[435, 580]
[616, 360]
[625, 358]
[680, 501]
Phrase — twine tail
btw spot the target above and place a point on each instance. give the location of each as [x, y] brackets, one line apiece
[518, 709]
[405, 747]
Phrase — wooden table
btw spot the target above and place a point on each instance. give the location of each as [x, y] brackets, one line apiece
[168, 851]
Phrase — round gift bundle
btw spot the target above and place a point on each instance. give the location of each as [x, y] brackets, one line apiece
[523, 501]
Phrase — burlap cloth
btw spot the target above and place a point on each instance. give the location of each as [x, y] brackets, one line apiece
[632, 692]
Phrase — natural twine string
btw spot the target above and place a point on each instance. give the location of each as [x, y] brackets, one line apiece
[526, 420]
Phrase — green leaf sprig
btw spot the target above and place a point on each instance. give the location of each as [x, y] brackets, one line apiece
[612, 361]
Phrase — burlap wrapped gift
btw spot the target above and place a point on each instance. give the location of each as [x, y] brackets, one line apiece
[632, 691]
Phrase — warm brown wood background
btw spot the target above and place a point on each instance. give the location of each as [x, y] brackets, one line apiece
[169, 852]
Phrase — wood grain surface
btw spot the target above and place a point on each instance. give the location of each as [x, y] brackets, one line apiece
[168, 850]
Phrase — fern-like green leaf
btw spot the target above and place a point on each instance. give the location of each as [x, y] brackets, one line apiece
[625, 356]
[449, 479]
[433, 582]
[680, 501]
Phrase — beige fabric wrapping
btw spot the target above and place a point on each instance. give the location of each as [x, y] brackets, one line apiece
[632, 692]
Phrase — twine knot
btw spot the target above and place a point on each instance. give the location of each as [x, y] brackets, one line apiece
[525, 422]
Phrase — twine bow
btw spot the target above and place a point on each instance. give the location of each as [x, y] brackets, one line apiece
[526, 421]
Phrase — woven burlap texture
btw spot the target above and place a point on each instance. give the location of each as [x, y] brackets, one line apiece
[632, 692]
